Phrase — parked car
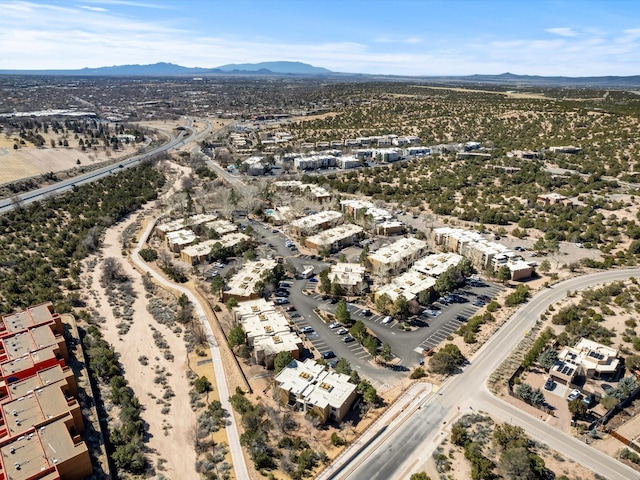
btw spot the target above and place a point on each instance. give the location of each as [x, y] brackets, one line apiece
[294, 315]
[478, 303]
[461, 318]
[342, 331]
[327, 355]
[348, 339]
[334, 325]
[333, 363]
[307, 329]
[333, 300]
[387, 320]
[290, 309]
[589, 400]
[365, 312]
[549, 384]
[281, 300]
[574, 395]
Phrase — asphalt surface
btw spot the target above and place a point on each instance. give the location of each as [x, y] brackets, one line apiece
[398, 454]
[66, 185]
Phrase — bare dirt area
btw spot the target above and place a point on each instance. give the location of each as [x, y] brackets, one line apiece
[31, 161]
[170, 433]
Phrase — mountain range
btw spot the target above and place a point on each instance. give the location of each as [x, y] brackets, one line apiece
[304, 69]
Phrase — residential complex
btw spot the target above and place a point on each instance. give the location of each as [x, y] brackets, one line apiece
[41, 421]
[396, 258]
[182, 223]
[334, 239]
[201, 252]
[314, 223]
[242, 285]
[268, 331]
[350, 277]
[308, 385]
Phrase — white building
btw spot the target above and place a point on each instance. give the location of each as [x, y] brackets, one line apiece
[316, 222]
[179, 239]
[396, 258]
[334, 239]
[182, 223]
[221, 227]
[200, 252]
[308, 385]
[350, 277]
[242, 284]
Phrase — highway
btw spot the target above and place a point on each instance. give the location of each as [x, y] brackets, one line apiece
[63, 186]
[399, 452]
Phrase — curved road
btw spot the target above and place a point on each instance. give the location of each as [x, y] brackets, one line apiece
[398, 453]
[7, 204]
[237, 457]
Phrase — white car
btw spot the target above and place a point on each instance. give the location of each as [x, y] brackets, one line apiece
[387, 320]
[574, 395]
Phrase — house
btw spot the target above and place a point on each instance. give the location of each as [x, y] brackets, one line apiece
[396, 258]
[565, 149]
[587, 358]
[350, 277]
[335, 238]
[553, 199]
[310, 386]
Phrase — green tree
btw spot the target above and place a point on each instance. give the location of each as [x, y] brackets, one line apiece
[370, 343]
[217, 285]
[420, 476]
[342, 312]
[383, 304]
[632, 362]
[202, 385]
[358, 330]
[237, 336]
[545, 266]
[281, 361]
[504, 274]
[343, 366]
[325, 283]
[577, 408]
[231, 304]
[385, 352]
[548, 358]
[446, 360]
[400, 307]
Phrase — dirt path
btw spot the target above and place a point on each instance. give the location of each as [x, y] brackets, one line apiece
[170, 434]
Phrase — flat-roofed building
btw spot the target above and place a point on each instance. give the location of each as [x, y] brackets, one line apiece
[182, 223]
[410, 284]
[436, 264]
[180, 239]
[387, 155]
[51, 375]
[396, 258]
[314, 223]
[350, 277]
[481, 252]
[553, 198]
[242, 284]
[335, 238]
[309, 386]
[389, 227]
[201, 252]
[268, 331]
[363, 208]
[255, 165]
[221, 227]
[591, 359]
[320, 194]
[348, 161]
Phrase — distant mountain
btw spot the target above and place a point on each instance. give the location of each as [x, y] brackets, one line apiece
[510, 79]
[291, 68]
[171, 69]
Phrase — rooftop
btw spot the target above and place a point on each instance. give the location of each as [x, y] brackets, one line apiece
[221, 226]
[397, 251]
[347, 273]
[242, 283]
[252, 307]
[335, 234]
[36, 315]
[181, 223]
[317, 219]
[436, 264]
[181, 237]
[409, 285]
[203, 248]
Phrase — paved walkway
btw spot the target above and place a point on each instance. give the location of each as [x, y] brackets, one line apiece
[237, 456]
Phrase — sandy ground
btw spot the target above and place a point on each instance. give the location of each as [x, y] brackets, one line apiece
[170, 435]
[31, 161]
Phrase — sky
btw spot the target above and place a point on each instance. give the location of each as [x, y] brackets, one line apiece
[392, 37]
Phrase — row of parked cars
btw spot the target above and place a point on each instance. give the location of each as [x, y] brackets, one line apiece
[575, 394]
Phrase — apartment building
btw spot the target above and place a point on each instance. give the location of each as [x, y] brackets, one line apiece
[363, 208]
[182, 223]
[389, 227]
[334, 239]
[396, 258]
[350, 277]
[221, 227]
[180, 239]
[268, 331]
[40, 420]
[409, 285]
[310, 386]
[201, 252]
[315, 223]
[242, 284]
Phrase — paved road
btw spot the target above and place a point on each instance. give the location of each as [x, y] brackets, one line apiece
[237, 457]
[398, 454]
[42, 193]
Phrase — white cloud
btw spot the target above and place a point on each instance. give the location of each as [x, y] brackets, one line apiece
[93, 9]
[562, 31]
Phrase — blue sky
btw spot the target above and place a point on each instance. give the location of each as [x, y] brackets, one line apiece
[404, 37]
